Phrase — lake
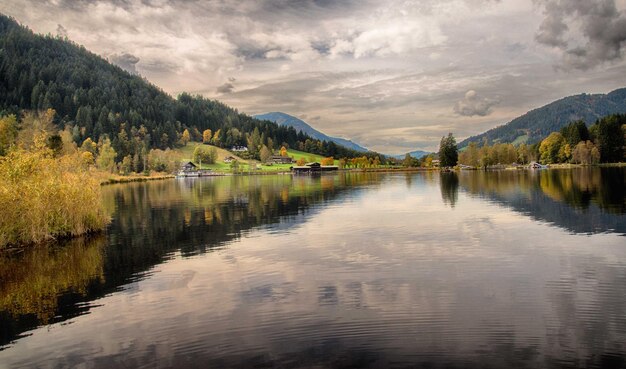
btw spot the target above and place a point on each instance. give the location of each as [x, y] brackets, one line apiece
[519, 269]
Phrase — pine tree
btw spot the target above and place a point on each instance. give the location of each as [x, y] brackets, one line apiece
[448, 152]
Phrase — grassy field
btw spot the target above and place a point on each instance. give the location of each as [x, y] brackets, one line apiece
[245, 165]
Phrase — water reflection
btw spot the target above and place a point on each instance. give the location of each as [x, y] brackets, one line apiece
[449, 183]
[38, 283]
[581, 200]
[151, 221]
[343, 271]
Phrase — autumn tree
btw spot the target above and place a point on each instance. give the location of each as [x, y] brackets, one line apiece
[448, 152]
[586, 153]
[301, 162]
[264, 154]
[206, 136]
[523, 154]
[283, 151]
[186, 137]
[8, 133]
[550, 150]
[106, 156]
[126, 165]
[89, 146]
[216, 137]
[328, 161]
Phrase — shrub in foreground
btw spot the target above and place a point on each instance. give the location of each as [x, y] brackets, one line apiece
[42, 197]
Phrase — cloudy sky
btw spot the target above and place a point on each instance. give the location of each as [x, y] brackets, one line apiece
[393, 75]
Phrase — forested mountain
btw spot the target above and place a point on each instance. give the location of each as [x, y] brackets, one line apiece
[96, 98]
[286, 120]
[537, 124]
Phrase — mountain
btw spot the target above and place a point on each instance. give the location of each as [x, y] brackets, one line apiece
[537, 124]
[286, 120]
[418, 154]
[95, 98]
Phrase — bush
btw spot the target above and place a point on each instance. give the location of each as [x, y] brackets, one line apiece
[206, 155]
[43, 197]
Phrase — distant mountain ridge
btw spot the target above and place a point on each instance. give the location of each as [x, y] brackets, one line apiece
[284, 119]
[537, 124]
[417, 154]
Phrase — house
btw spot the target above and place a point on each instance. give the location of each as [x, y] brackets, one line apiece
[229, 159]
[188, 167]
[277, 159]
[239, 149]
[436, 163]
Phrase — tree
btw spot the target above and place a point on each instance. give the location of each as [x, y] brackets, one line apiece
[283, 151]
[448, 152]
[8, 133]
[611, 138]
[328, 161]
[265, 154]
[586, 153]
[89, 146]
[126, 165]
[408, 160]
[206, 155]
[234, 166]
[300, 162]
[575, 132]
[106, 156]
[206, 136]
[523, 154]
[185, 137]
[550, 150]
[87, 158]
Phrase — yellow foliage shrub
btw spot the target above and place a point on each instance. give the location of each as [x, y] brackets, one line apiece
[42, 197]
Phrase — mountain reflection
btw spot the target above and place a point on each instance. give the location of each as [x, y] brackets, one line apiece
[581, 200]
[151, 221]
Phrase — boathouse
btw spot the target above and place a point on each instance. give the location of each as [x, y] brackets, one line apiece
[278, 159]
[188, 167]
[314, 168]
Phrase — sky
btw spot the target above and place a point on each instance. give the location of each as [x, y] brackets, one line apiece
[394, 76]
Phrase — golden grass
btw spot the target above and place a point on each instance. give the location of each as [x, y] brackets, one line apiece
[43, 198]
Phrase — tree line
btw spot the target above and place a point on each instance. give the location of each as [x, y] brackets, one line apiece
[602, 142]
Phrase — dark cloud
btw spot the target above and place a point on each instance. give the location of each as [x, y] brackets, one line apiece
[226, 88]
[125, 61]
[602, 26]
[472, 104]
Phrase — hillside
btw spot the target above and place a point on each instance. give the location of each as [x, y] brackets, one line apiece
[535, 125]
[95, 98]
[286, 120]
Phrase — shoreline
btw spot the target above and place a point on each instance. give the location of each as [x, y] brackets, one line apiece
[130, 179]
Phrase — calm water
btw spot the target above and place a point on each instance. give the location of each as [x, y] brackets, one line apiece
[492, 270]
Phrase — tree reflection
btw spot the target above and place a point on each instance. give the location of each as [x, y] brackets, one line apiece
[558, 196]
[151, 221]
[449, 183]
[32, 282]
